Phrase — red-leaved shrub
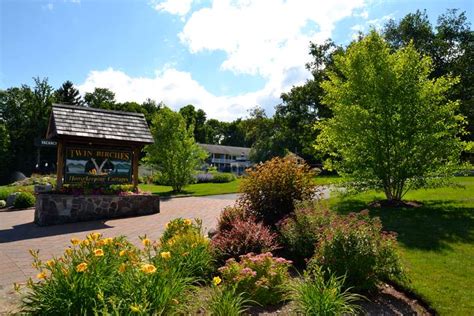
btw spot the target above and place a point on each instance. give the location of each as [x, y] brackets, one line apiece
[245, 236]
[229, 215]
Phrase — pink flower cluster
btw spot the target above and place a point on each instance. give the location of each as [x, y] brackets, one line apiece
[257, 274]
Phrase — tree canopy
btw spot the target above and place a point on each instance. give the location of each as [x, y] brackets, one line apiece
[393, 127]
[67, 94]
[174, 154]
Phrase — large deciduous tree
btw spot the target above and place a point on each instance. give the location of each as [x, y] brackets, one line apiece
[393, 127]
[449, 44]
[197, 119]
[25, 113]
[175, 153]
[302, 106]
[101, 98]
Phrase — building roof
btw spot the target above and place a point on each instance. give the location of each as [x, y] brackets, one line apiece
[228, 150]
[81, 121]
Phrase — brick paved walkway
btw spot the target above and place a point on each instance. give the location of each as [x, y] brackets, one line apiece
[18, 233]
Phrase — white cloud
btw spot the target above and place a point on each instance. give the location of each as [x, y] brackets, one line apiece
[179, 7]
[266, 38]
[177, 89]
[263, 37]
[380, 22]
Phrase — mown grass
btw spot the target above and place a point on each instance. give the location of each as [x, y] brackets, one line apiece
[436, 241]
[202, 189]
[199, 189]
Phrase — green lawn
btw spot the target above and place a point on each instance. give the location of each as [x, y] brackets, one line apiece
[202, 189]
[328, 179]
[199, 189]
[437, 242]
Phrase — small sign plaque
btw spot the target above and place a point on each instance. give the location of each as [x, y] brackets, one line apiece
[97, 166]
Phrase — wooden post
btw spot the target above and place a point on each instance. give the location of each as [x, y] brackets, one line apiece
[60, 165]
[136, 158]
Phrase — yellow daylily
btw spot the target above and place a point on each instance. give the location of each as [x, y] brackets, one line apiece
[216, 280]
[81, 267]
[165, 255]
[148, 268]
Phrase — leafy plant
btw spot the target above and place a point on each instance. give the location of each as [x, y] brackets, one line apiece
[190, 252]
[259, 277]
[220, 177]
[229, 215]
[24, 200]
[175, 153]
[179, 226]
[245, 236]
[4, 193]
[300, 232]
[3, 203]
[106, 275]
[272, 189]
[215, 177]
[316, 296]
[355, 246]
[394, 127]
[226, 301]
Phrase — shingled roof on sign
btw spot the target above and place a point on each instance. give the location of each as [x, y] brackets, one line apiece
[81, 121]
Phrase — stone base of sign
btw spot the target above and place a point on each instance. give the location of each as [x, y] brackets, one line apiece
[58, 209]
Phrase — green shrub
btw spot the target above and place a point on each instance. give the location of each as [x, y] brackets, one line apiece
[316, 296]
[220, 177]
[226, 301]
[3, 203]
[259, 277]
[272, 189]
[24, 200]
[299, 233]
[180, 226]
[4, 193]
[118, 188]
[191, 253]
[355, 246]
[106, 275]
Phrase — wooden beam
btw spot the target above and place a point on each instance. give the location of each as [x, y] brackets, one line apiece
[136, 158]
[60, 165]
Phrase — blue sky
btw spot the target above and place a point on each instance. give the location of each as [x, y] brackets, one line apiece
[224, 56]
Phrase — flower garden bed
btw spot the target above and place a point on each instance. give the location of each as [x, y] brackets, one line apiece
[62, 208]
[294, 258]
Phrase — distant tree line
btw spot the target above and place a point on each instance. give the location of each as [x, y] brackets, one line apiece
[25, 110]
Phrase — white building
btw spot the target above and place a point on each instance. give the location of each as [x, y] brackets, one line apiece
[228, 158]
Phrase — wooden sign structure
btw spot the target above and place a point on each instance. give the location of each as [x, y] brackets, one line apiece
[96, 146]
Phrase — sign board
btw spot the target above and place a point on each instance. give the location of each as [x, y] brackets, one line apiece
[40, 142]
[97, 166]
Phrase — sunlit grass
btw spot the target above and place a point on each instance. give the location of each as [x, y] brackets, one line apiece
[436, 240]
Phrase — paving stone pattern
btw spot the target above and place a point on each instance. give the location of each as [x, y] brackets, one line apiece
[18, 233]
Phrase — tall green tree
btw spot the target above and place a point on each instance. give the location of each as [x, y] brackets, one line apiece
[302, 106]
[449, 44]
[393, 127]
[67, 94]
[101, 98]
[263, 136]
[5, 153]
[174, 154]
[197, 119]
[25, 113]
